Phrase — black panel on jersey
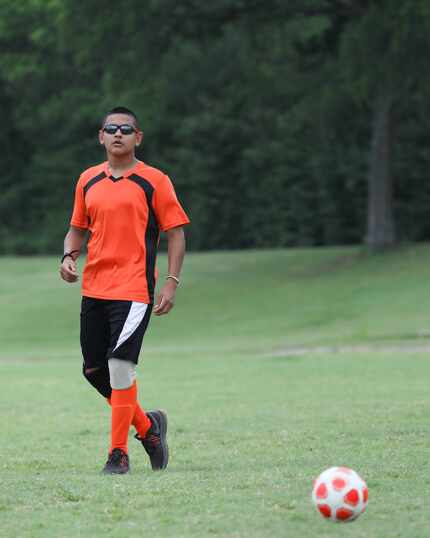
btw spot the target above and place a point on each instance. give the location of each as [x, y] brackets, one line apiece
[93, 181]
[151, 234]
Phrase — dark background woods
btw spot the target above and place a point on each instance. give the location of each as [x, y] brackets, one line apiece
[281, 123]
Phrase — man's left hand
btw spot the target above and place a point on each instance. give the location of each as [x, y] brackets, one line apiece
[166, 298]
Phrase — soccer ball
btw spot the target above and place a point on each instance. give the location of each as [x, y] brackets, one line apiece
[340, 494]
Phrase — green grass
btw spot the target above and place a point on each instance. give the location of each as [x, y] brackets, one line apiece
[273, 366]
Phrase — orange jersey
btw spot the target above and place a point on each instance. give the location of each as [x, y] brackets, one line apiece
[124, 216]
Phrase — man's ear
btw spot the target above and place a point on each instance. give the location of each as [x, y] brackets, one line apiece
[139, 138]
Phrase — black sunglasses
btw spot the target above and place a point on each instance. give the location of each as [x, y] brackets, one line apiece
[125, 128]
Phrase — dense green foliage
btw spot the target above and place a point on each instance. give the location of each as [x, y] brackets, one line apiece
[261, 112]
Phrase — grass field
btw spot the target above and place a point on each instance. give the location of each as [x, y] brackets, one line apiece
[273, 366]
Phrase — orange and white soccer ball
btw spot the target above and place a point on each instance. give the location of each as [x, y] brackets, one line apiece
[340, 494]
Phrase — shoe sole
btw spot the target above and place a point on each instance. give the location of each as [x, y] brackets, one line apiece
[163, 442]
[115, 472]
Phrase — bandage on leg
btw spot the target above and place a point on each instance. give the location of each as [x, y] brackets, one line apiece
[122, 373]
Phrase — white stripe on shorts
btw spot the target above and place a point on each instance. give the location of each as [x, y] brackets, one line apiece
[134, 318]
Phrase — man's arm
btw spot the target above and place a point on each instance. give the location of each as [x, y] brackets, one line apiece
[73, 242]
[175, 251]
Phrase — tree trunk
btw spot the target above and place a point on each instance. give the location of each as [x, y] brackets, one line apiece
[380, 219]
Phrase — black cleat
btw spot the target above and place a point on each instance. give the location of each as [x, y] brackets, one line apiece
[155, 442]
[117, 462]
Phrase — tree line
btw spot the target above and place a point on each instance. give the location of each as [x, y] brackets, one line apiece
[280, 123]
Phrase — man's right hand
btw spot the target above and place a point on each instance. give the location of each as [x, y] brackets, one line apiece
[68, 270]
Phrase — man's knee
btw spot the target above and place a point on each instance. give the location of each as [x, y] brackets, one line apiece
[99, 379]
[122, 373]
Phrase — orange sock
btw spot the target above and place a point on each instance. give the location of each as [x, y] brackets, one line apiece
[123, 404]
[140, 421]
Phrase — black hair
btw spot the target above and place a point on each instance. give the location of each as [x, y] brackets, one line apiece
[122, 110]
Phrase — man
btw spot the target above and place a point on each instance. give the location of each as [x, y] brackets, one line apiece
[123, 203]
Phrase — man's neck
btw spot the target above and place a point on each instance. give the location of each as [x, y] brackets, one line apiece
[118, 165]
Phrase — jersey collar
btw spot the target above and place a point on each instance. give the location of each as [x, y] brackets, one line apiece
[126, 173]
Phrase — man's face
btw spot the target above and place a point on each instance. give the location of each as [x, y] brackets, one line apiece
[118, 143]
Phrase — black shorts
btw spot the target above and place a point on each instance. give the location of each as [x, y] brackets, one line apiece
[112, 329]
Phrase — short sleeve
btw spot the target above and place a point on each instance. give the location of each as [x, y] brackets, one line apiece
[168, 210]
[79, 216]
